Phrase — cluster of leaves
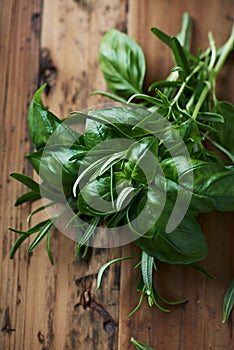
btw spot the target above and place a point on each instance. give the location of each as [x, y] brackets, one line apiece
[187, 100]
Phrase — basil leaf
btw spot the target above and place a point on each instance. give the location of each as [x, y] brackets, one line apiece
[54, 164]
[95, 197]
[213, 187]
[122, 63]
[225, 134]
[228, 301]
[42, 123]
[141, 164]
[185, 245]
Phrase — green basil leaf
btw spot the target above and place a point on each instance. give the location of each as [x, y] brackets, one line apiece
[228, 301]
[54, 163]
[42, 123]
[185, 245]
[122, 63]
[141, 165]
[225, 135]
[213, 186]
[95, 194]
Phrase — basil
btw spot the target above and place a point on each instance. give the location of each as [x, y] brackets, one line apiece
[167, 135]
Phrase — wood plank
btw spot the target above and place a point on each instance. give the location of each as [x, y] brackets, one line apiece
[64, 310]
[198, 324]
[20, 35]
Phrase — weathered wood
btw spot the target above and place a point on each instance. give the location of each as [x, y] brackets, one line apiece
[198, 324]
[46, 307]
[20, 36]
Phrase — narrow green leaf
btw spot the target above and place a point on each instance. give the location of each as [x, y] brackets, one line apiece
[109, 95]
[29, 182]
[38, 210]
[32, 229]
[147, 262]
[180, 56]
[105, 266]
[89, 232]
[124, 194]
[141, 346]
[228, 301]
[49, 247]
[17, 244]
[30, 196]
[43, 232]
[163, 84]
[162, 36]
[185, 34]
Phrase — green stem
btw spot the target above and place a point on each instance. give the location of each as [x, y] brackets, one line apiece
[228, 47]
[201, 100]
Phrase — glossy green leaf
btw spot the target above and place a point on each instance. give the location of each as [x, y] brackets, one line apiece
[147, 262]
[42, 123]
[48, 247]
[106, 265]
[225, 135]
[180, 56]
[185, 245]
[122, 63]
[30, 196]
[43, 232]
[26, 180]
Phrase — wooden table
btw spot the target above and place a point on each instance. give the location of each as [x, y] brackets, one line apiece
[42, 306]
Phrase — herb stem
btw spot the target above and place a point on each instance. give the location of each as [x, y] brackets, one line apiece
[228, 47]
[201, 100]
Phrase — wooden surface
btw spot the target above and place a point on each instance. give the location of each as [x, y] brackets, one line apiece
[44, 307]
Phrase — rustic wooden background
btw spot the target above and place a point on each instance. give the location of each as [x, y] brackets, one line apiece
[42, 307]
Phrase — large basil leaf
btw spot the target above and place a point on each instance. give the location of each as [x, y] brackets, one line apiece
[142, 165]
[213, 184]
[122, 63]
[185, 245]
[124, 120]
[213, 187]
[55, 166]
[225, 134]
[95, 197]
[43, 124]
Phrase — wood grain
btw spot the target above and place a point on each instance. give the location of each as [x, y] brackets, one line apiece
[44, 307]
